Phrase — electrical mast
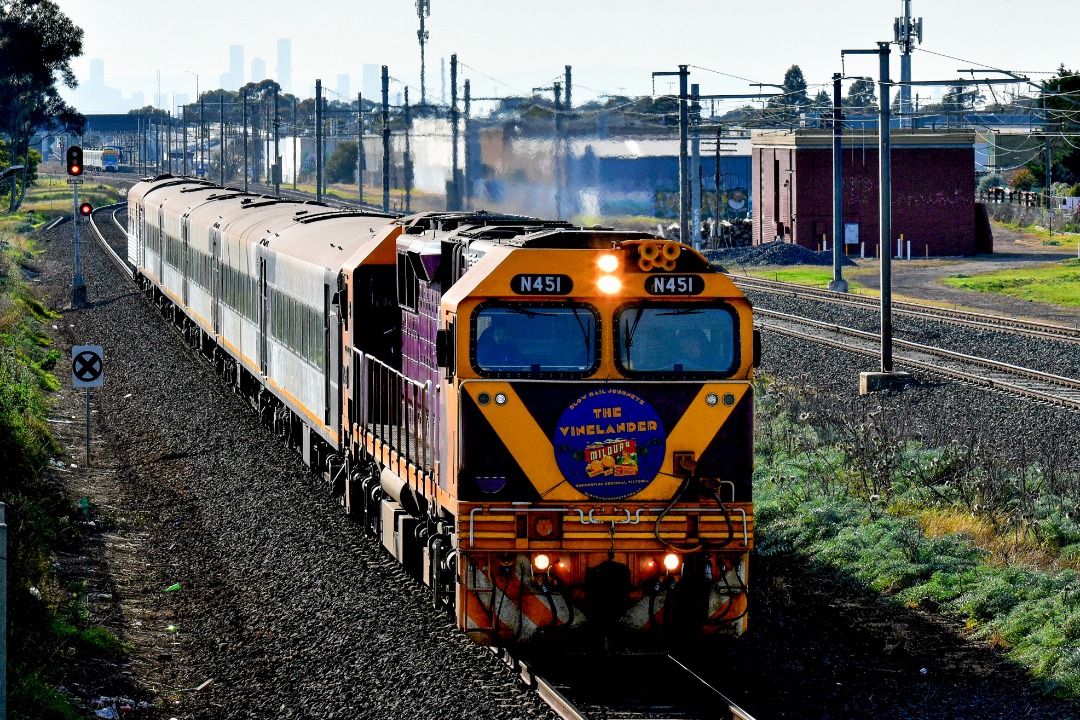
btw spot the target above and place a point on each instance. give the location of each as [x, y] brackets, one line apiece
[904, 28]
[423, 9]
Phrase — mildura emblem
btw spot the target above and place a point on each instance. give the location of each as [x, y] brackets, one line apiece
[609, 444]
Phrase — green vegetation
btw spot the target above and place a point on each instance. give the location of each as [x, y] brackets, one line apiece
[48, 635]
[1055, 283]
[995, 545]
[817, 276]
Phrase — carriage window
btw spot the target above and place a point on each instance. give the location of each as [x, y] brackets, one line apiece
[558, 339]
[676, 340]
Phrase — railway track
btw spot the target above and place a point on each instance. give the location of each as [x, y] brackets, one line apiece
[609, 687]
[1045, 387]
[965, 318]
[113, 253]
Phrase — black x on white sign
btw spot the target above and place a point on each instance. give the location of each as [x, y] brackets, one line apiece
[86, 366]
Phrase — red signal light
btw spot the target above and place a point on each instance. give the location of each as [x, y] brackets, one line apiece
[74, 160]
[86, 209]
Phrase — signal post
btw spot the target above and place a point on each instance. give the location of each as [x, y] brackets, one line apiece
[75, 169]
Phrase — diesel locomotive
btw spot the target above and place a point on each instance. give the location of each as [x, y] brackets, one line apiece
[548, 425]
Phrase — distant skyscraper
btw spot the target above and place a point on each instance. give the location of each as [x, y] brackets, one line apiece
[258, 70]
[97, 72]
[236, 68]
[342, 88]
[372, 82]
[284, 64]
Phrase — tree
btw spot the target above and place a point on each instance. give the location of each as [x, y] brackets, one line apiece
[793, 99]
[861, 94]
[37, 44]
[1022, 179]
[341, 167]
[1058, 97]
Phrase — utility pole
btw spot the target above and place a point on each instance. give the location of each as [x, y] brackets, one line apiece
[423, 9]
[452, 191]
[385, 138]
[904, 28]
[318, 139]
[837, 284]
[684, 169]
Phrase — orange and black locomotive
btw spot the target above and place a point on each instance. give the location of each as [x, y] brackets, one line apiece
[550, 425]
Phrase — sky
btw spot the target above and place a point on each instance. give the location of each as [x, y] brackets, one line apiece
[508, 47]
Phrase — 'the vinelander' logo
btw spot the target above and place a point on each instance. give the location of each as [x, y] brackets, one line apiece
[609, 444]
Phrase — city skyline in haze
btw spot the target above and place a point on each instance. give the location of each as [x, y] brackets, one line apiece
[508, 48]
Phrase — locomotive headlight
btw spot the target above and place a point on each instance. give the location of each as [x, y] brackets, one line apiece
[541, 562]
[609, 284]
[711, 399]
[672, 562]
[500, 398]
[608, 263]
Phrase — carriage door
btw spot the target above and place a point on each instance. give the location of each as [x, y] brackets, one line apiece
[264, 310]
[331, 339]
[185, 260]
[160, 233]
[215, 278]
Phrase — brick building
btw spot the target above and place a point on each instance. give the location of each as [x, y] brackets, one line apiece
[933, 190]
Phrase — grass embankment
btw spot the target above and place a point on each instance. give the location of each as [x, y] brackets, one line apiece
[1055, 283]
[48, 635]
[815, 276]
[949, 530]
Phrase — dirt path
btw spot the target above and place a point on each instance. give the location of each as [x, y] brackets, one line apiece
[921, 280]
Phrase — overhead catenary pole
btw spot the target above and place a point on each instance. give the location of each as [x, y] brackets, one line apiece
[318, 141]
[221, 137]
[838, 284]
[277, 144]
[684, 169]
[295, 142]
[184, 126]
[246, 169]
[360, 145]
[560, 201]
[408, 166]
[466, 190]
[695, 168]
[202, 136]
[385, 138]
[885, 199]
[452, 202]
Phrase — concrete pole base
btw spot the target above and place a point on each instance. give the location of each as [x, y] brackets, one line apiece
[877, 381]
[838, 285]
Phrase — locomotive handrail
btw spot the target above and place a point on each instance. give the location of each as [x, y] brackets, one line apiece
[589, 519]
[395, 411]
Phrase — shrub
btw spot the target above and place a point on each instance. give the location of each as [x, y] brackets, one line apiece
[1022, 179]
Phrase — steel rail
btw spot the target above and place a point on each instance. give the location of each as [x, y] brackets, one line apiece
[120, 262]
[1055, 389]
[1003, 323]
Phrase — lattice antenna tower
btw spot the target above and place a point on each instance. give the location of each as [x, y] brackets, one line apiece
[423, 11]
[905, 29]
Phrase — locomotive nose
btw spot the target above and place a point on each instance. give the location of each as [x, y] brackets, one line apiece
[607, 592]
